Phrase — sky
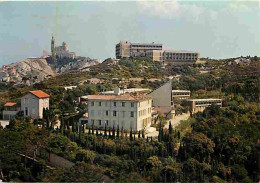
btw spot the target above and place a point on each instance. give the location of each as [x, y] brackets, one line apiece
[216, 29]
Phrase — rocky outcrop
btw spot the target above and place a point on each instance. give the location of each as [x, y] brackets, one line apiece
[33, 69]
[79, 65]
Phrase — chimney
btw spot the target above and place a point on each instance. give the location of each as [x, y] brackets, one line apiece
[117, 91]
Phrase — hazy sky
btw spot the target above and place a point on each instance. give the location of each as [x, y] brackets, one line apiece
[216, 29]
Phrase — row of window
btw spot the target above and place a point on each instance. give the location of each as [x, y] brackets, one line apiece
[114, 113]
[115, 104]
[143, 112]
[106, 122]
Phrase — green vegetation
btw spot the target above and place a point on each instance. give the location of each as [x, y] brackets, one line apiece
[216, 145]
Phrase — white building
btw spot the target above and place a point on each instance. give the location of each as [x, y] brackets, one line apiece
[33, 104]
[127, 90]
[10, 110]
[124, 111]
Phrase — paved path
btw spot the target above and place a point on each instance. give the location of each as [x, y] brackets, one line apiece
[177, 120]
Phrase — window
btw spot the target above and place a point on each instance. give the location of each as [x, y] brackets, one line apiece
[99, 112]
[92, 103]
[132, 104]
[123, 104]
[99, 122]
[99, 103]
[132, 114]
[106, 113]
[26, 111]
[114, 113]
[114, 104]
[92, 112]
[107, 122]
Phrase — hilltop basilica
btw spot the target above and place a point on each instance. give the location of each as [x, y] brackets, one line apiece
[61, 51]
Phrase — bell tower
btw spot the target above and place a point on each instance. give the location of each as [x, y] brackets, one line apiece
[53, 49]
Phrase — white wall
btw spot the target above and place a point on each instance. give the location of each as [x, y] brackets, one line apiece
[123, 117]
[35, 105]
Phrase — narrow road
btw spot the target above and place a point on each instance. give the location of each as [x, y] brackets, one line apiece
[177, 120]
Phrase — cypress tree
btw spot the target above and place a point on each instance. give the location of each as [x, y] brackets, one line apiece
[117, 131]
[147, 140]
[122, 132]
[61, 125]
[179, 135]
[105, 132]
[109, 133]
[93, 129]
[143, 136]
[96, 131]
[134, 137]
[139, 134]
[131, 135]
[89, 130]
[113, 132]
[170, 128]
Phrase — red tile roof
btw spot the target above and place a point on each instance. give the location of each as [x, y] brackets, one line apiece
[129, 97]
[40, 94]
[10, 104]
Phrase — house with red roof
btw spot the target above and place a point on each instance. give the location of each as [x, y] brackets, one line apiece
[34, 102]
[10, 110]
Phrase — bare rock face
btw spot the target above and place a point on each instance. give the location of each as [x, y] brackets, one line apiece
[33, 69]
[79, 65]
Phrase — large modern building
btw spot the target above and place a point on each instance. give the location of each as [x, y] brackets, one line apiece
[198, 105]
[127, 111]
[180, 94]
[33, 104]
[126, 49]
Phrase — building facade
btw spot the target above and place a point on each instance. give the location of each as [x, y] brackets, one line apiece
[10, 110]
[163, 100]
[180, 57]
[199, 105]
[180, 94]
[125, 49]
[124, 111]
[33, 104]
